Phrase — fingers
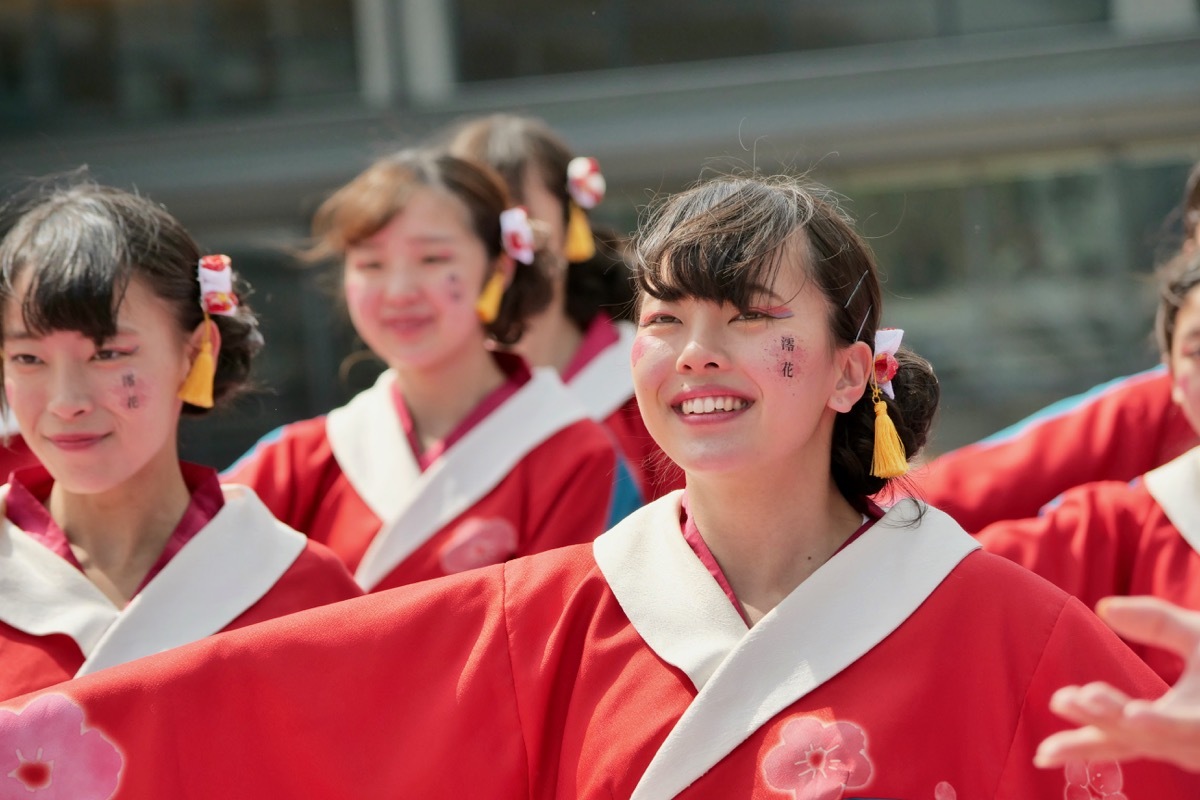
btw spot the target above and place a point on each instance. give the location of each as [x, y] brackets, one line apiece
[1087, 743]
[1094, 704]
[1152, 621]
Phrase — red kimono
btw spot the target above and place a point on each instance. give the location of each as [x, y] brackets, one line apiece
[910, 666]
[1109, 538]
[532, 474]
[601, 378]
[1116, 431]
[236, 566]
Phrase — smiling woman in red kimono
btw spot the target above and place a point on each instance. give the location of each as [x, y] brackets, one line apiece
[114, 549]
[459, 456]
[767, 633]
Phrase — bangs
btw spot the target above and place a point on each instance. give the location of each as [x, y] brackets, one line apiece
[363, 207]
[78, 268]
[723, 242]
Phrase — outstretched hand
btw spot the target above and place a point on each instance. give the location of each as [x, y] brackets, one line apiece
[1115, 726]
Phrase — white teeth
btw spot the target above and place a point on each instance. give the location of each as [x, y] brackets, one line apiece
[707, 405]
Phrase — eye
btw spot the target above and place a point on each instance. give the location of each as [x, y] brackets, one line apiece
[658, 318]
[435, 258]
[364, 264]
[23, 359]
[111, 354]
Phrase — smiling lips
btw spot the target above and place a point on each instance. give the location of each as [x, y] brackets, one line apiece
[75, 441]
[709, 405]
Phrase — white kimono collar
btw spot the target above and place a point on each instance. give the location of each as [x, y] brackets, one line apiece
[606, 382]
[746, 677]
[1175, 486]
[376, 458]
[221, 572]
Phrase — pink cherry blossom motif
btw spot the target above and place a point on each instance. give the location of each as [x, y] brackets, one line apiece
[478, 542]
[46, 753]
[815, 760]
[944, 791]
[1094, 780]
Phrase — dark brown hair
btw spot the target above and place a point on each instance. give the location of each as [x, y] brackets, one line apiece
[725, 241]
[82, 243]
[518, 147]
[364, 206]
[1176, 279]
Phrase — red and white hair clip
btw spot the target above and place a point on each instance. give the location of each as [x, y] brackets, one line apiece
[215, 274]
[887, 342]
[516, 234]
[585, 182]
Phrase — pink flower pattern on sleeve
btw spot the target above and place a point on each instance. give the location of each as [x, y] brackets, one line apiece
[479, 542]
[47, 754]
[815, 760]
[1094, 780]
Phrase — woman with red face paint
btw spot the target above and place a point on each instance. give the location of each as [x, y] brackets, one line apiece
[582, 333]
[767, 632]
[114, 549]
[459, 456]
[1116, 431]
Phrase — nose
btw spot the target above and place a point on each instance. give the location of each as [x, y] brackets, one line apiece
[70, 394]
[401, 284]
[703, 351]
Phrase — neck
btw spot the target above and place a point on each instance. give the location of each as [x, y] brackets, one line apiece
[117, 535]
[441, 396]
[769, 535]
[551, 338]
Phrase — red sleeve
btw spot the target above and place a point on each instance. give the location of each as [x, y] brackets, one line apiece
[571, 486]
[316, 578]
[1115, 432]
[1086, 544]
[399, 694]
[291, 469]
[1080, 649]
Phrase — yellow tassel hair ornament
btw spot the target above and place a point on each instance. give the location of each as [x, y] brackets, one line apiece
[889, 460]
[586, 186]
[487, 306]
[580, 245]
[197, 387]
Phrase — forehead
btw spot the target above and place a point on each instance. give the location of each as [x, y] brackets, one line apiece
[428, 213]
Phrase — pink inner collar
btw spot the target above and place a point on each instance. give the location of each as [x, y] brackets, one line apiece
[518, 374]
[691, 534]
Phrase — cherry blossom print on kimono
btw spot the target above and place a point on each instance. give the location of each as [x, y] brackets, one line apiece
[47, 752]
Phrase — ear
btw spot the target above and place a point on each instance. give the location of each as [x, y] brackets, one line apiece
[196, 340]
[857, 362]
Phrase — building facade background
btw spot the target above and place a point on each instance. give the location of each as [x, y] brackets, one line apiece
[1014, 164]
